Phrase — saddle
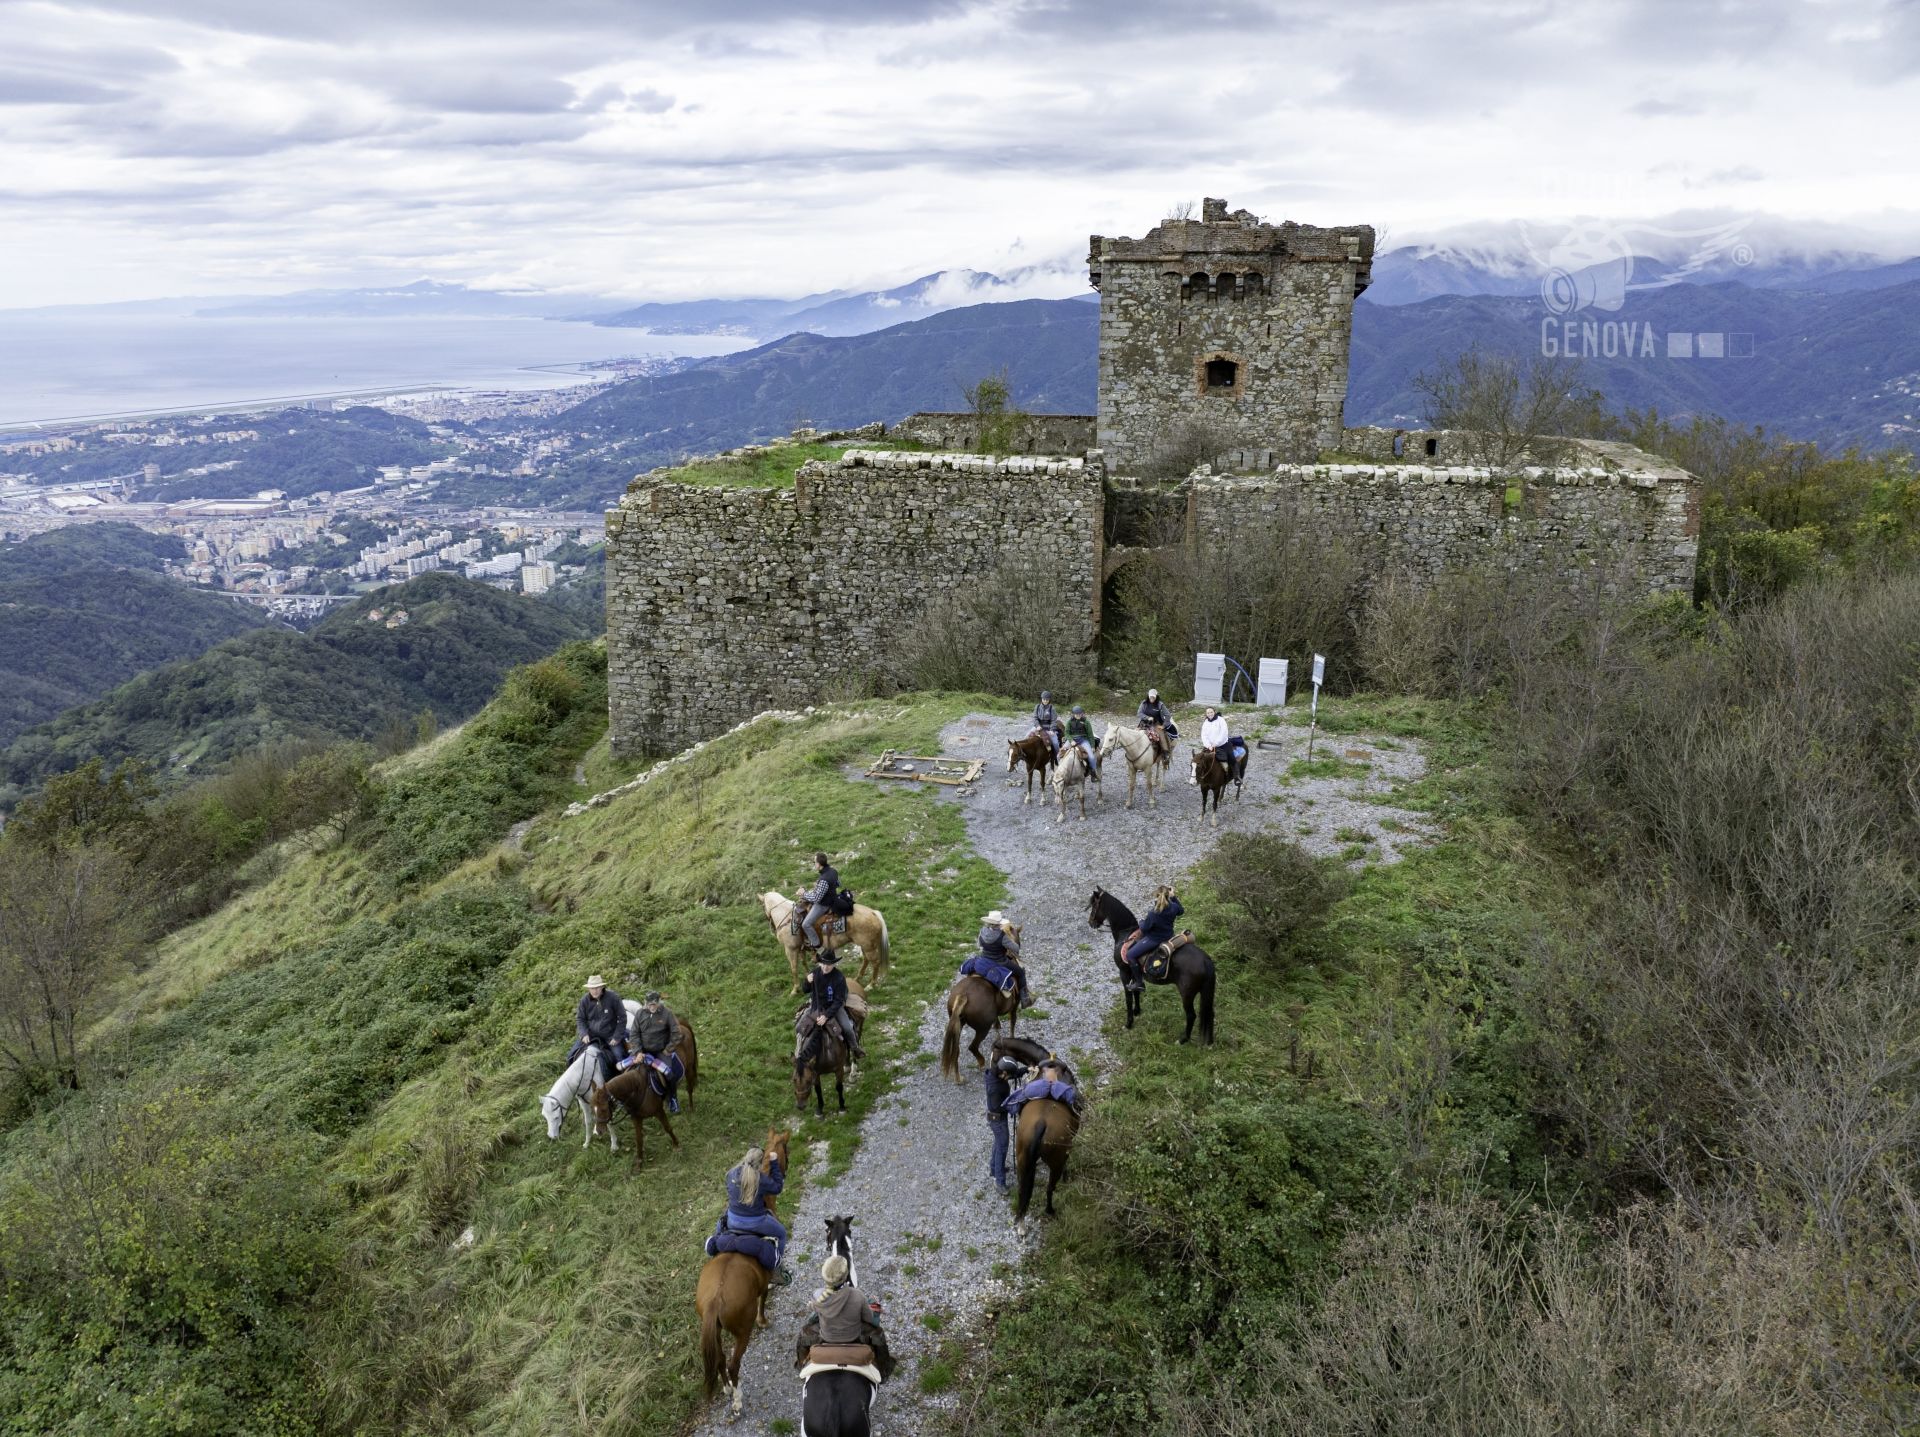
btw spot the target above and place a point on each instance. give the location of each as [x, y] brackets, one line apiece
[829, 923]
[840, 1354]
[1155, 964]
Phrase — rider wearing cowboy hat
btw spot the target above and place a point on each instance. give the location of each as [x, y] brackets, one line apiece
[600, 1018]
[827, 999]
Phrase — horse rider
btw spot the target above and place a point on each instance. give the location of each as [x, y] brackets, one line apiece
[1001, 1077]
[657, 1037]
[1080, 731]
[1156, 927]
[1154, 717]
[1047, 721]
[827, 999]
[820, 896]
[842, 1315]
[1214, 735]
[748, 1189]
[601, 1018]
[999, 955]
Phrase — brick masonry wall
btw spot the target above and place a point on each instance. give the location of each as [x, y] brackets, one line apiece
[1037, 433]
[722, 602]
[1612, 504]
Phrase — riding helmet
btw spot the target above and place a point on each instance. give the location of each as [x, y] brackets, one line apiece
[1077, 709]
[1046, 696]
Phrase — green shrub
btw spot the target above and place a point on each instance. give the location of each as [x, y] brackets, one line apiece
[1274, 894]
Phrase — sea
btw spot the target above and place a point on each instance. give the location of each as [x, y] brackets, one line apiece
[68, 366]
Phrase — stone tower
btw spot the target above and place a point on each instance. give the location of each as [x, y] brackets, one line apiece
[1229, 326]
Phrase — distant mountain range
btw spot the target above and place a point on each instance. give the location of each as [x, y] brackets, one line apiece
[423, 297]
[348, 678]
[87, 607]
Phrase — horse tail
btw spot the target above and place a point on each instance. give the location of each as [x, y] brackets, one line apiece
[1206, 1005]
[713, 1358]
[950, 1045]
[1029, 1165]
[886, 949]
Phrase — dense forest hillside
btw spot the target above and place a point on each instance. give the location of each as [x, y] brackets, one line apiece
[352, 676]
[86, 607]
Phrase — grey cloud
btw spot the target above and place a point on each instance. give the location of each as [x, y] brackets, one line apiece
[493, 93]
[19, 87]
[1667, 109]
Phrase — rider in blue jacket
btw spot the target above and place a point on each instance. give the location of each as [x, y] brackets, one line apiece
[1156, 927]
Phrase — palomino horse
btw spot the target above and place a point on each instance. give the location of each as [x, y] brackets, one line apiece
[1190, 970]
[731, 1298]
[1213, 777]
[633, 1091]
[865, 930]
[1045, 1133]
[1072, 771]
[1037, 753]
[1141, 759]
[975, 1003]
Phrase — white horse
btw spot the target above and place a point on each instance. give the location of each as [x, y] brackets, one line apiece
[1141, 759]
[576, 1085]
[1072, 771]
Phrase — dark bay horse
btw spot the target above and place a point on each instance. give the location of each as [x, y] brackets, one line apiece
[1191, 970]
[1037, 754]
[731, 1298]
[821, 1052]
[633, 1091]
[1213, 777]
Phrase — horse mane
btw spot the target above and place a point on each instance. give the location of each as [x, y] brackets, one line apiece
[1117, 912]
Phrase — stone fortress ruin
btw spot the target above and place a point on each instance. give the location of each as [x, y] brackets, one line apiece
[725, 601]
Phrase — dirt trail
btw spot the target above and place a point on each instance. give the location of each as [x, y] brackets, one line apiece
[933, 1239]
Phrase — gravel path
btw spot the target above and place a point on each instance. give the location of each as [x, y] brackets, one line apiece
[933, 1239]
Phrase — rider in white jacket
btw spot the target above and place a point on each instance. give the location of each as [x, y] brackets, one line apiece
[1214, 735]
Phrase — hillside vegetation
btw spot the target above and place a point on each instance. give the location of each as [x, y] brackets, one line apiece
[321, 1087]
[348, 678]
[87, 607]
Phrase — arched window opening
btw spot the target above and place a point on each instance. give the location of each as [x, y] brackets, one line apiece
[1222, 374]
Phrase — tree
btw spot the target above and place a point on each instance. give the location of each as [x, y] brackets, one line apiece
[996, 423]
[69, 917]
[88, 804]
[1511, 411]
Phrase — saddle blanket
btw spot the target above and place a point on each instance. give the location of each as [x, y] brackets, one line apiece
[1044, 1088]
[747, 1244]
[981, 966]
[814, 1369]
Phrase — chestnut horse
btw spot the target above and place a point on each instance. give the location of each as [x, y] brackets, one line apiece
[1191, 970]
[1037, 754]
[633, 1091]
[1044, 1133]
[866, 930]
[975, 1003]
[1213, 776]
[732, 1298]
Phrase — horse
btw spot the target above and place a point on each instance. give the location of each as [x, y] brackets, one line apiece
[1142, 758]
[1045, 1133]
[1032, 1054]
[837, 1403]
[1037, 753]
[731, 1297]
[866, 930]
[574, 1086]
[975, 1003]
[824, 1051]
[1072, 771]
[1190, 969]
[633, 1090]
[1213, 776]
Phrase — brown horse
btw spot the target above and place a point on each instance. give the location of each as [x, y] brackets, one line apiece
[634, 1092]
[1044, 1133]
[732, 1298]
[975, 1003]
[823, 1051]
[1213, 776]
[1037, 753]
[866, 929]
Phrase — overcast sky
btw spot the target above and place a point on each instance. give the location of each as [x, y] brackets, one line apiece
[162, 147]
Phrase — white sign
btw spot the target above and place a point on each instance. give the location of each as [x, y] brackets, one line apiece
[1272, 690]
[1319, 669]
[1209, 678]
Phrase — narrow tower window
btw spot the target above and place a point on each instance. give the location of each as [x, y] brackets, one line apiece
[1222, 373]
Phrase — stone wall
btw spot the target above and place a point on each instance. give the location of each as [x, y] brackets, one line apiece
[722, 602]
[1611, 504]
[1036, 433]
[1228, 324]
